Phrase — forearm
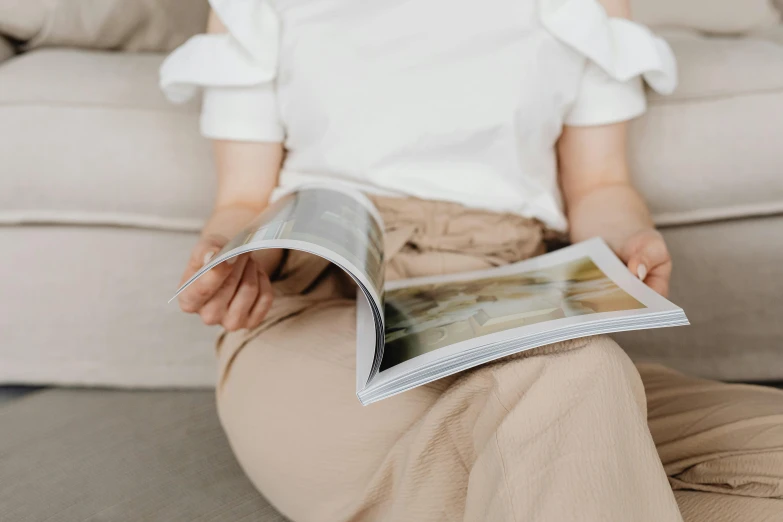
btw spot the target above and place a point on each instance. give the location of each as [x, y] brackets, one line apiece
[600, 201]
[246, 176]
[599, 197]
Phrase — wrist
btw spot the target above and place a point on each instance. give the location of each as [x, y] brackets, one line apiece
[227, 220]
[615, 213]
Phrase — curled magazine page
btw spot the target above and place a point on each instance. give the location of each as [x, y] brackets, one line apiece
[437, 326]
[335, 223]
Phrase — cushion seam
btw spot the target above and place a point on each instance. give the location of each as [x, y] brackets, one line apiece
[87, 106]
[676, 100]
[98, 218]
[194, 224]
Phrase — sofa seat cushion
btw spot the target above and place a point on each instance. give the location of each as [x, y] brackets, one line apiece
[93, 311]
[86, 137]
[78, 455]
[709, 151]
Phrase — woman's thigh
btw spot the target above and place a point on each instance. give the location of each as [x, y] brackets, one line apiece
[287, 401]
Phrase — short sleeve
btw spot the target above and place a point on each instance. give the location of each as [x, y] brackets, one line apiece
[620, 57]
[236, 71]
[602, 99]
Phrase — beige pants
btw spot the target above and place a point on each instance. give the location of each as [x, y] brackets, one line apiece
[572, 431]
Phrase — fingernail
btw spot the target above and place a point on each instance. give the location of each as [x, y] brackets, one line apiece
[641, 271]
[208, 256]
[232, 260]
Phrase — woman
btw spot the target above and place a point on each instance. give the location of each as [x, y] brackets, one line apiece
[467, 123]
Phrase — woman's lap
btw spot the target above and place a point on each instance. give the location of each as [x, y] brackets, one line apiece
[543, 424]
[289, 407]
[557, 433]
[569, 414]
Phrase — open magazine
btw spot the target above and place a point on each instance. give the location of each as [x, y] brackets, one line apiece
[415, 331]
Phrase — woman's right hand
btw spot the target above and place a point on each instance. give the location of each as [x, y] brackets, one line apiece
[237, 293]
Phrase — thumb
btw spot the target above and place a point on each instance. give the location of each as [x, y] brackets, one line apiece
[205, 250]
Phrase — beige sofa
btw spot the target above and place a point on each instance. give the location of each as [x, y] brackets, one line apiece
[103, 187]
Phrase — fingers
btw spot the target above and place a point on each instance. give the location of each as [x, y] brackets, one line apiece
[649, 260]
[658, 280]
[263, 303]
[202, 253]
[214, 309]
[240, 299]
[202, 290]
[246, 296]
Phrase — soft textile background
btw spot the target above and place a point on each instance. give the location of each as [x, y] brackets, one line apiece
[128, 25]
[161, 25]
[6, 51]
[710, 16]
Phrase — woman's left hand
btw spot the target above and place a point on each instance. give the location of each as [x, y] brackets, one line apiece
[647, 257]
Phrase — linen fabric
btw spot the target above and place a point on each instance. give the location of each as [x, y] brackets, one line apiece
[440, 100]
[556, 433]
[717, 17]
[6, 49]
[127, 25]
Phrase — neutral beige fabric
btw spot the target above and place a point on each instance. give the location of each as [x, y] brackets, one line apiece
[6, 50]
[716, 437]
[88, 306]
[714, 507]
[712, 16]
[688, 152]
[711, 67]
[115, 456]
[129, 25]
[115, 152]
[773, 34]
[557, 433]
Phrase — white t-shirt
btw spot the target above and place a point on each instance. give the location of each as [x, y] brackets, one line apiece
[454, 100]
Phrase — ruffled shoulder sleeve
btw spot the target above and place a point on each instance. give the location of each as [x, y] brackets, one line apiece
[236, 71]
[620, 54]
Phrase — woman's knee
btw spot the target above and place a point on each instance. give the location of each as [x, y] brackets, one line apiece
[592, 367]
[601, 358]
[597, 357]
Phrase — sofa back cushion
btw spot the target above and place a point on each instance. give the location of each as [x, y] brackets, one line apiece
[161, 25]
[710, 16]
[128, 25]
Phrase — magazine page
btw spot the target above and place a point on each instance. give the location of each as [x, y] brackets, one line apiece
[338, 224]
[582, 289]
